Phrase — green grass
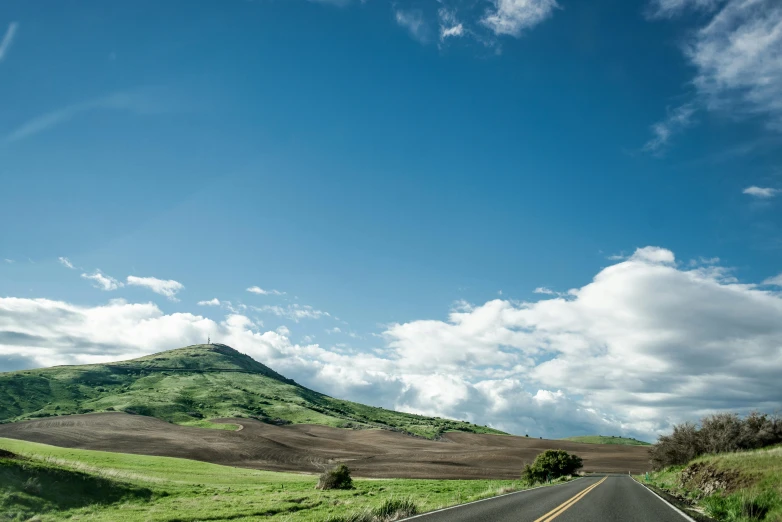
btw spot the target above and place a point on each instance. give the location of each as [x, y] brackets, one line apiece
[188, 385]
[122, 487]
[755, 485]
[608, 439]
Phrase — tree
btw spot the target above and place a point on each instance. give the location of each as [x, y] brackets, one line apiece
[551, 464]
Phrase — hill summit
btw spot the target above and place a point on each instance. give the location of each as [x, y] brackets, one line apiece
[193, 384]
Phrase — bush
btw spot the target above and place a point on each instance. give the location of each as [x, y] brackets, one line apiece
[551, 464]
[391, 509]
[719, 433]
[337, 478]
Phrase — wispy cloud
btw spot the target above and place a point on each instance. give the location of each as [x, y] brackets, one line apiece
[211, 302]
[512, 17]
[64, 261]
[141, 101]
[735, 54]
[544, 290]
[102, 281]
[450, 26]
[413, 21]
[9, 261]
[165, 287]
[295, 312]
[8, 39]
[761, 192]
[678, 119]
[260, 291]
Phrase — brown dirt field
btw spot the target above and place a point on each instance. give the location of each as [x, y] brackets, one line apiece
[310, 448]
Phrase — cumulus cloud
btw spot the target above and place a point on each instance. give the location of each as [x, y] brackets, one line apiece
[260, 291]
[760, 192]
[512, 17]
[64, 261]
[211, 302]
[413, 21]
[166, 287]
[102, 281]
[295, 312]
[645, 343]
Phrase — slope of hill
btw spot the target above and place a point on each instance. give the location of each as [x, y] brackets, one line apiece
[188, 385]
[743, 486]
[606, 439]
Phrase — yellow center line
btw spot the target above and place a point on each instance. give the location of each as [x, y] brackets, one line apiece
[554, 513]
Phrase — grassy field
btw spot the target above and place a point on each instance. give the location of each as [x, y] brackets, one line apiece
[607, 439]
[188, 385]
[734, 487]
[53, 483]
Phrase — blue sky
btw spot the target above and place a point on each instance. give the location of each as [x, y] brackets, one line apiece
[408, 173]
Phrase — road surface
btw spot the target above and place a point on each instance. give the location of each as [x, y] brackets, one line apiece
[610, 498]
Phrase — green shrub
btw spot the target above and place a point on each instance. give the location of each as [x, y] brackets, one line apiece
[551, 464]
[337, 478]
[391, 509]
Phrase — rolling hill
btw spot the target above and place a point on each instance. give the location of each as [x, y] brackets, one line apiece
[190, 385]
[607, 439]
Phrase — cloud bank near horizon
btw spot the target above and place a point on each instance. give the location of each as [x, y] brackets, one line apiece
[648, 342]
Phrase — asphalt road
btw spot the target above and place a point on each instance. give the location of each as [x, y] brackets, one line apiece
[611, 498]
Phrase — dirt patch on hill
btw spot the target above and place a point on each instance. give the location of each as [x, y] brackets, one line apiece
[310, 448]
[707, 479]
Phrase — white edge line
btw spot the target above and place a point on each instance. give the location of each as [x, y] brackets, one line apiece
[485, 499]
[647, 488]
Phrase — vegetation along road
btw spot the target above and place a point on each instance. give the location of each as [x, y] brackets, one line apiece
[608, 498]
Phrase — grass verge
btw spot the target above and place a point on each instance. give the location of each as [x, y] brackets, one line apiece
[163, 488]
[732, 487]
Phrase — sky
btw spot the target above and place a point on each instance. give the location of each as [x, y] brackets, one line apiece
[551, 217]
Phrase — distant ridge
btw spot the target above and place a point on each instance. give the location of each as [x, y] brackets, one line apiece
[607, 439]
[190, 385]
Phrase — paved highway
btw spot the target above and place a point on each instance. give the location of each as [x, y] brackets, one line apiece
[611, 498]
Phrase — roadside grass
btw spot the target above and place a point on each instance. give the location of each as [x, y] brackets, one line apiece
[753, 480]
[171, 489]
[607, 439]
[189, 385]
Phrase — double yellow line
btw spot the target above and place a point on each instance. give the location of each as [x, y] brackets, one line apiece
[554, 513]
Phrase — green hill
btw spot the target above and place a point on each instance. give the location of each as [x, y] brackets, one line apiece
[190, 385]
[607, 439]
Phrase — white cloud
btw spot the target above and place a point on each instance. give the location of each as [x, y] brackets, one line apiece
[64, 261]
[9, 261]
[295, 312]
[512, 17]
[776, 280]
[646, 343]
[334, 330]
[735, 55]
[653, 254]
[260, 291]
[8, 39]
[166, 287]
[211, 302]
[678, 119]
[543, 290]
[450, 26]
[102, 281]
[669, 8]
[760, 192]
[413, 21]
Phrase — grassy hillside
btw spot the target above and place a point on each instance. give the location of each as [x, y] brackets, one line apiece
[737, 487]
[193, 384]
[117, 487]
[606, 439]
